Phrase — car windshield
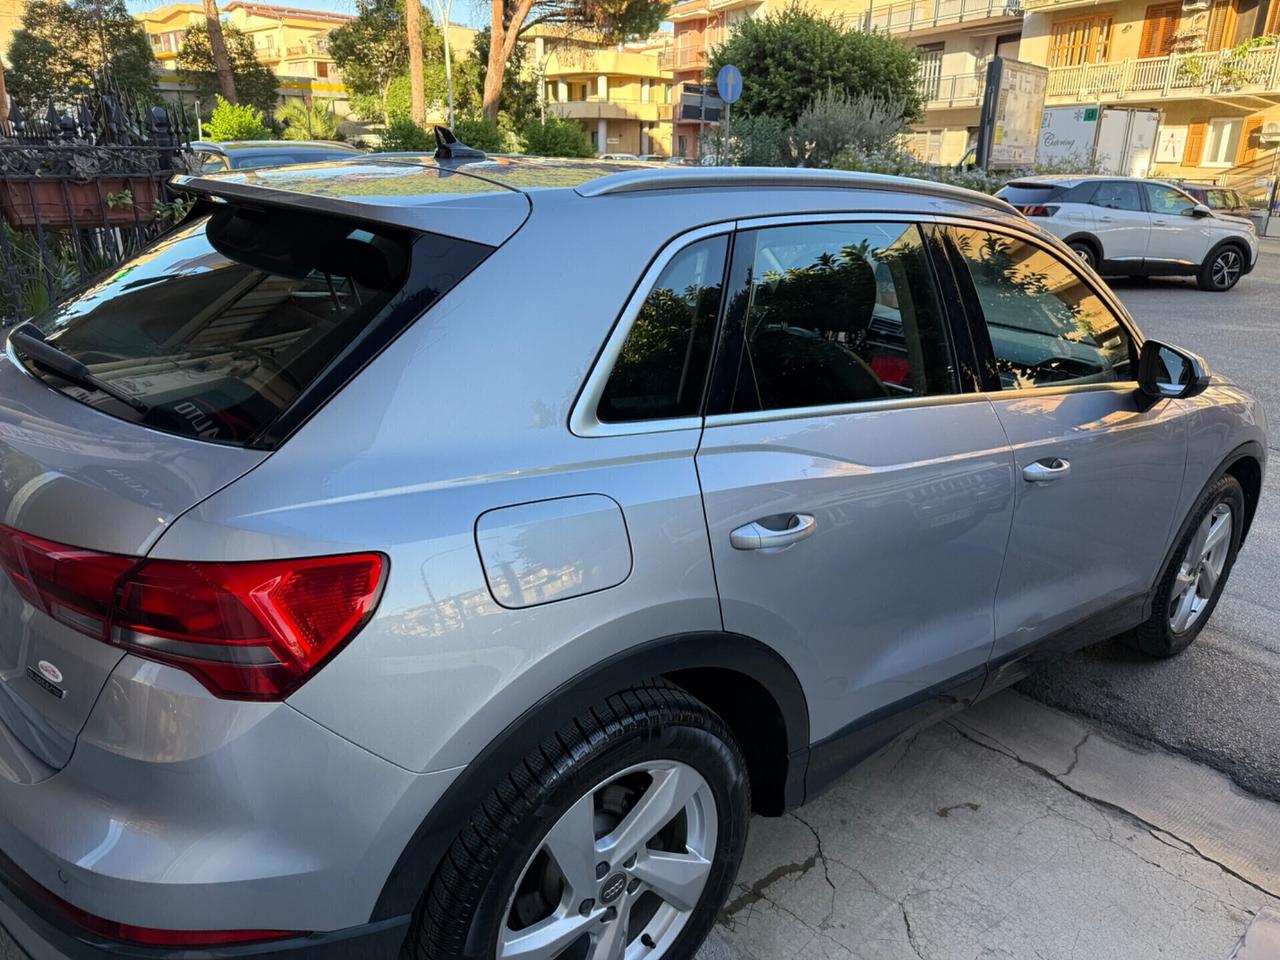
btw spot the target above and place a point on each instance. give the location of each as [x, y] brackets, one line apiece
[215, 330]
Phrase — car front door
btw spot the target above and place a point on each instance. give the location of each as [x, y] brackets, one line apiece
[858, 499]
[1122, 224]
[1099, 468]
[1177, 238]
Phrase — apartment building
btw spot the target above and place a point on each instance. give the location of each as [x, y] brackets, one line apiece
[10, 19]
[1211, 67]
[956, 40]
[290, 41]
[618, 93]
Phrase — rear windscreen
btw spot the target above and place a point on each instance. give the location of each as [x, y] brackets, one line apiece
[224, 327]
[1024, 194]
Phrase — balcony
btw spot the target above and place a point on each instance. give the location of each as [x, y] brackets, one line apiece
[916, 16]
[959, 90]
[614, 108]
[1177, 76]
[1039, 6]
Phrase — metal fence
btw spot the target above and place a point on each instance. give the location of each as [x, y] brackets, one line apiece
[81, 189]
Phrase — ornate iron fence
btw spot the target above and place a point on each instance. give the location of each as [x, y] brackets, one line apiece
[81, 189]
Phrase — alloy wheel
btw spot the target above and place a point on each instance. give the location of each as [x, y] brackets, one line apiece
[620, 873]
[1085, 254]
[1226, 268]
[1201, 569]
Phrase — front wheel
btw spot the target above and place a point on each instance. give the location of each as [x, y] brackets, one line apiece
[1192, 583]
[1221, 270]
[621, 835]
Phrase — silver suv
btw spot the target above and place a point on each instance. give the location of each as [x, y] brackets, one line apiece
[1144, 228]
[449, 556]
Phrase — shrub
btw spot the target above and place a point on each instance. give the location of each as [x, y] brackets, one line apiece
[836, 121]
[480, 134]
[896, 161]
[236, 121]
[556, 138]
[407, 136]
[303, 123]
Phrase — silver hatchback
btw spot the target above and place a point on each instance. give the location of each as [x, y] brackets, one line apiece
[448, 556]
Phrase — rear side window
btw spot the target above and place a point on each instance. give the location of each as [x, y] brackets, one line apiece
[216, 330]
[1047, 327]
[840, 313]
[662, 368]
[1117, 195]
[1028, 194]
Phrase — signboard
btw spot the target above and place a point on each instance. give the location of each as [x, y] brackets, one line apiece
[1067, 135]
[699, 102]
[1012, 105]
[1171, 144]
[729, 83]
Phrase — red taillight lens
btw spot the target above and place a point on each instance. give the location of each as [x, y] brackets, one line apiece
[247, 631]
[1039, 210]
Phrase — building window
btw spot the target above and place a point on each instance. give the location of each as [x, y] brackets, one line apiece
[1073, 42]
[322, 69]
[1223, 20]
[1221, 142]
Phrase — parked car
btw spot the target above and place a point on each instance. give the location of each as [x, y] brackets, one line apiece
[1219, 199]
[1125, 225]
[618, 156]
[654, 158]
[363, 596]
[216, 157]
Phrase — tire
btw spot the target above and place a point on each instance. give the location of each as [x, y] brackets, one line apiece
[1222, 269]
[1183, 591]
[515, 871]
[1085, 251]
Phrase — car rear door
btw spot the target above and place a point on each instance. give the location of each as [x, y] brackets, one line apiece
[1122, 225]
[1099, 468]
[858, 493]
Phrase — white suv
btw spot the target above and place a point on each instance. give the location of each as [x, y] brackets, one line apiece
[1123, 225]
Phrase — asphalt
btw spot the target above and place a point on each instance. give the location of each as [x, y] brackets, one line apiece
[1219, 702]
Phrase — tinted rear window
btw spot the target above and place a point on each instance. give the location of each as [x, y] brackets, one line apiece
[227, 326]
[1021, 194]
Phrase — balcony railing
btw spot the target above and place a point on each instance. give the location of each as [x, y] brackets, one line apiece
[958, 90]
[1179, 75]
[910, 15]
[612, 108]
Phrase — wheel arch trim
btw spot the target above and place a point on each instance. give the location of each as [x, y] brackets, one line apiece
[736, 653]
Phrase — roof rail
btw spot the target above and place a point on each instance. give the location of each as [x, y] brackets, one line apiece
[684, 178]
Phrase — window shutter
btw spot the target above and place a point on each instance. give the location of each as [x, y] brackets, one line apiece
[1158, 30]
[1222, 25]
[1249, 137]
[1196, 131]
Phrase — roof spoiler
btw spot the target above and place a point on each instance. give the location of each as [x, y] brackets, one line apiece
[449, 147]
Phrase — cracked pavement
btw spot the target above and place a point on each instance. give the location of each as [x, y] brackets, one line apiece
[1010, 831]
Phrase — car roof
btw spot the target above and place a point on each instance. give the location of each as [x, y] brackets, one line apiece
[271, 146]
[497, 193]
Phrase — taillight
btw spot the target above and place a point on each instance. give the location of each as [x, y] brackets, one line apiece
[248, 631]
[1039, 210]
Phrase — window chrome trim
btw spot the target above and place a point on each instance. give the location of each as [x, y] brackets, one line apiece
[583, 421]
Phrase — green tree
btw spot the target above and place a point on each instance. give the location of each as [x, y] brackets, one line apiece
[405, 135]
[372, 51]
[519, 87]
[254, 82]
[235, 121]
[63, 47]
[556, 138]
[480, 134]
[787, 56]
[317, 122]
[615, 20]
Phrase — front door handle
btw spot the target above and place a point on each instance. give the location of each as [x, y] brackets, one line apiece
[757, 536]
[1046, 471]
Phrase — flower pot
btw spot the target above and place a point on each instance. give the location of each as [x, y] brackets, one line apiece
[60, 203]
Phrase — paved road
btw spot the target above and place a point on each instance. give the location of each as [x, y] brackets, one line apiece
[1220, 701]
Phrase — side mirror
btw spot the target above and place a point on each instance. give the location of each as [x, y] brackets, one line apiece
[1201, 210]
[1168, 373]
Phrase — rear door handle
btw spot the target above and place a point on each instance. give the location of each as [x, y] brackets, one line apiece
[1046, 470]
[756, 536]
[1106, 219]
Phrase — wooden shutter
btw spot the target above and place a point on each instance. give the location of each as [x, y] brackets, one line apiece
[1195, 143]
[1158, 28]
[1222, 25]
[1249, 137]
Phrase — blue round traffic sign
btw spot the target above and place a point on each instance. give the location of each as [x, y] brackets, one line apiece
[729, 83]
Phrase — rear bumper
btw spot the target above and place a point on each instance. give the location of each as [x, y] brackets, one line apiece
[43, 933]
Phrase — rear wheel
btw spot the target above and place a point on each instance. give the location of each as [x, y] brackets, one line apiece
[1222, 269]
[620, 836]
[1085, 251]
[1192, 583]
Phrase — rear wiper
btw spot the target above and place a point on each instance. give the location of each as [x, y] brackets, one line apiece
[67, 367]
